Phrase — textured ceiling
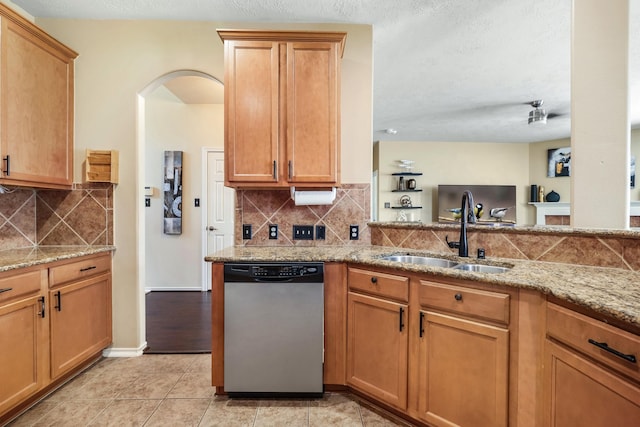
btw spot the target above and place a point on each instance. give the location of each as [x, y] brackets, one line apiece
[444, 70]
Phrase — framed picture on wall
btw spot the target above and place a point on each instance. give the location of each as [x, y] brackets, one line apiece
[559, 162]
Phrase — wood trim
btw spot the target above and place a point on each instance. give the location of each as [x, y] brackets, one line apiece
[36, 31]
[288, 36]
[217, 325]
[335, 324]
[527, 357]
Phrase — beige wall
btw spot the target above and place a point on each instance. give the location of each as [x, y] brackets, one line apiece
[174, 262]
[453, 163]
[538, 153]
[562, 185]
[477, 164]
[118, 59]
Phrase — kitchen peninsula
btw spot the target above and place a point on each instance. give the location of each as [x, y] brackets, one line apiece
[507, 339]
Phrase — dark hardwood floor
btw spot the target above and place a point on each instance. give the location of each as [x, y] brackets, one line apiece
[178, 322]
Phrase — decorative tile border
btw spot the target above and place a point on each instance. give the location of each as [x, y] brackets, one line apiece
[82, 216]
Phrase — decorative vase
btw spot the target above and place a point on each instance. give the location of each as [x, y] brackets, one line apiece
[553, 197]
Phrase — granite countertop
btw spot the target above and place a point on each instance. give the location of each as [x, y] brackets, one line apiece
[26, 257]
[611, 291]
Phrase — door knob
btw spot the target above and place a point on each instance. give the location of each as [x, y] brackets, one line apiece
[211, 228]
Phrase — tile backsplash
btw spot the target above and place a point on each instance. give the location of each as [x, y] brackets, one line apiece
[81, 216]
[569, 248]
[260, 208]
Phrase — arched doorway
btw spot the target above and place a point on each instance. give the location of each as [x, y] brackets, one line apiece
[179, 111]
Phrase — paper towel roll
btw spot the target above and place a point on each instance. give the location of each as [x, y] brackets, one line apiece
[319, 197]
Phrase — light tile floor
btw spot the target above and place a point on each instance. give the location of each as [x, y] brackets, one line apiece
[175, 390]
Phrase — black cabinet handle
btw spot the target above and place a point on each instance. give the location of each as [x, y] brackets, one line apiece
[458, 297]
[401, 319]
[41, 301]
[82, 270]
[603, 345]
[6, 161]
[290, 169]
[421, 324]
[374, 279]
[5, 290]
[275, 170]
[58, 305]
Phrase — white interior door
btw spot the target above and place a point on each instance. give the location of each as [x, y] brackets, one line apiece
[220, 205]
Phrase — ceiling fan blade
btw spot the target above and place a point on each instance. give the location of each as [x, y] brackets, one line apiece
[554, 115]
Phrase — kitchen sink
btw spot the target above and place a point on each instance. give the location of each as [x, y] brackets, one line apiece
[421, 260]
[481, 268]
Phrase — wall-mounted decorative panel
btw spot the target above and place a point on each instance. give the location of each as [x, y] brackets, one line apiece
[172, 192]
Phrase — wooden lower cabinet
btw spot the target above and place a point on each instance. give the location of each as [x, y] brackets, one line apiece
[23, 350]
[80, 322]
[54, 319]
[581, 393]
[377, 348]
[462, 372]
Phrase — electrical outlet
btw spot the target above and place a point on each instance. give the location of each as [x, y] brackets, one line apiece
[354, 232]
[246, 231]
[303, 232]
[196, 203]
[320, 232]
[147, 202]
[273, 231]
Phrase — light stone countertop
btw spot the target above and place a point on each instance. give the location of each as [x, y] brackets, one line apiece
[11, 259]
[610, 291]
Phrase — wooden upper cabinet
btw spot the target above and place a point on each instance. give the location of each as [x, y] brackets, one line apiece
[282, 108]
[312, 112]
[36, 105]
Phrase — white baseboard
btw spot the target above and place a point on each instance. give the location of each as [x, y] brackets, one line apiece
[124, 352]
[155, 289]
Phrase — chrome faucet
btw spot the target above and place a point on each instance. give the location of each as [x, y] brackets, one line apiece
[467, 215]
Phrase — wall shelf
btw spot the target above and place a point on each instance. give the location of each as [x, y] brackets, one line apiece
[101, 166]
[407, 191]
[406, 174]
[406, 207]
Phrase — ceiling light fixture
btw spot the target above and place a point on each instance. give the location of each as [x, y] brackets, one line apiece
[391, 131]
[537, 116]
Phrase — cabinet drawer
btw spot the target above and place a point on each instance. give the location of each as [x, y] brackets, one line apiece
[81, 268]
[585, 334]
[19, 285]
[471, 302]
[382, 284]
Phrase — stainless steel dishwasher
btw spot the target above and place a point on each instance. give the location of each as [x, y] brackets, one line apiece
[273, 329]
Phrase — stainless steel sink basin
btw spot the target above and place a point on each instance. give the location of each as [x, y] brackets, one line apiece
[421, 260]
[481, 268]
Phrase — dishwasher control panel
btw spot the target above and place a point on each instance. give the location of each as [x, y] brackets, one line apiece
[274, 271]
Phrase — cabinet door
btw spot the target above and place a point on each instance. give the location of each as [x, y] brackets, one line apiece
[251, 111]
[581, 393]
[312, 112]
[36, 97]
[23, 350]
[463, 372]
[80, 322]
[377, 348]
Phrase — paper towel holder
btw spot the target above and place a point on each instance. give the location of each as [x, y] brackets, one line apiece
[313, 197]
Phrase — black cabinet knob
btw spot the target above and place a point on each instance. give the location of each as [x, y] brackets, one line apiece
[374, 280]
[458, 297]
